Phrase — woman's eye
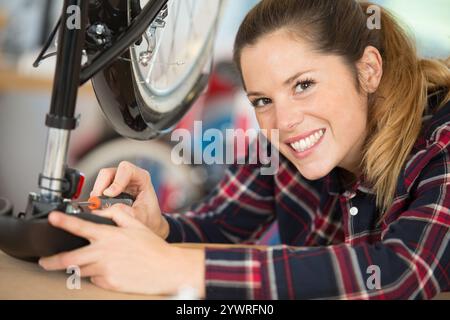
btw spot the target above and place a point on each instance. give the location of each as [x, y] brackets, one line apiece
[261, 102]
[303, 86]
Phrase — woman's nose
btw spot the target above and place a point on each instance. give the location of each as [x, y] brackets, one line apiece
[288, 116]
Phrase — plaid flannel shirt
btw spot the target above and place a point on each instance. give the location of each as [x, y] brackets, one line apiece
[331, 235]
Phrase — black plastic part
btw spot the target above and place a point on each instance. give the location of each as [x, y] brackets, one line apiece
[125, 196]
[61, 122]
[72, 178]
[31, 239]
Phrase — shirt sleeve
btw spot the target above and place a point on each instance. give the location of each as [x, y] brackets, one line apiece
[410, 262]
[238, 210]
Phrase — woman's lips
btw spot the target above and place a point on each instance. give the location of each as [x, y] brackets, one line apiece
[302, 136]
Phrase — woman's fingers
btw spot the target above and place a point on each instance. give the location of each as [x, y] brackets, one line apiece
[80, 257]
[88, 230]
[104, 179]
[91, 270]
[108, 213]
[125, 178]
[100, 282]
[122, 215]
[127, 174]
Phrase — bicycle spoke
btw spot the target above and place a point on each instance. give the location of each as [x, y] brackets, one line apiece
[192, 30]
[172, 45]
[176, 48]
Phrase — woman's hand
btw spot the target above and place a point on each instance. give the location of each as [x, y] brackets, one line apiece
[136, 182]
[128, 258]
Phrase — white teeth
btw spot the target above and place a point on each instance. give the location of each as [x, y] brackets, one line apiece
[307, 143]
[302, 144]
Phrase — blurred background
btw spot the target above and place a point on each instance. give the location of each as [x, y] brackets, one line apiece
[25, 98]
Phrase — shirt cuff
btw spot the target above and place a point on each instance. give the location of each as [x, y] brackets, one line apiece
[176, 233]
[236, 273]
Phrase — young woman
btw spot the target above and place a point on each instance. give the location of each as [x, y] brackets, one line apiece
[361, 195]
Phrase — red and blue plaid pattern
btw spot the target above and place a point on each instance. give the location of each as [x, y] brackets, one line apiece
[327, 251]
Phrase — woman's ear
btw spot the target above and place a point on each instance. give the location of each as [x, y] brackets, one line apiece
[370, 69]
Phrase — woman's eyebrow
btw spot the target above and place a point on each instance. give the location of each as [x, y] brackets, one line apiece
[285, 83]
[295, 76]
[254, 94]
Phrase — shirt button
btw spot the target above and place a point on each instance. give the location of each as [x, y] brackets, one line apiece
[353, 211]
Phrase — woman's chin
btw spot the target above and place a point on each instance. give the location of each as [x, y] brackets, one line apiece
[311, 169]
[312, 176]
[313, 172]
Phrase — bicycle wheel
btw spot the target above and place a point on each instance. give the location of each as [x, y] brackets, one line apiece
[149, 89]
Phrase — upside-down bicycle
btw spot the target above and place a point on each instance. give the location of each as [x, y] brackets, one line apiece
[148, 61]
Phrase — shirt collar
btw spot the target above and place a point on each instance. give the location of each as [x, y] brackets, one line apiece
[335, 186]
[332, 183]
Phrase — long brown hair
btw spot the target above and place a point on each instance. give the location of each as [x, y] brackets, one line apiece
[396, 108]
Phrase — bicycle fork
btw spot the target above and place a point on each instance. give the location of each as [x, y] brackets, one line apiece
[57, 182]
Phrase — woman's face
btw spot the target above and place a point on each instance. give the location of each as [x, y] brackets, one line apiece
[311, 98]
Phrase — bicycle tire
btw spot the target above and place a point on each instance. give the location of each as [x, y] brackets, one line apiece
[131, 111]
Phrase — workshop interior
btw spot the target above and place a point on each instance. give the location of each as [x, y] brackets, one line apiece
[75, 100]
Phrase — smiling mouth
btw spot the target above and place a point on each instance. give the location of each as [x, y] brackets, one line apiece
[302, 145]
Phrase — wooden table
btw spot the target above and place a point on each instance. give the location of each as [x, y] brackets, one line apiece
[24, 280]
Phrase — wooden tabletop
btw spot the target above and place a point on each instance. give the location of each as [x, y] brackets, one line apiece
[24, 280]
